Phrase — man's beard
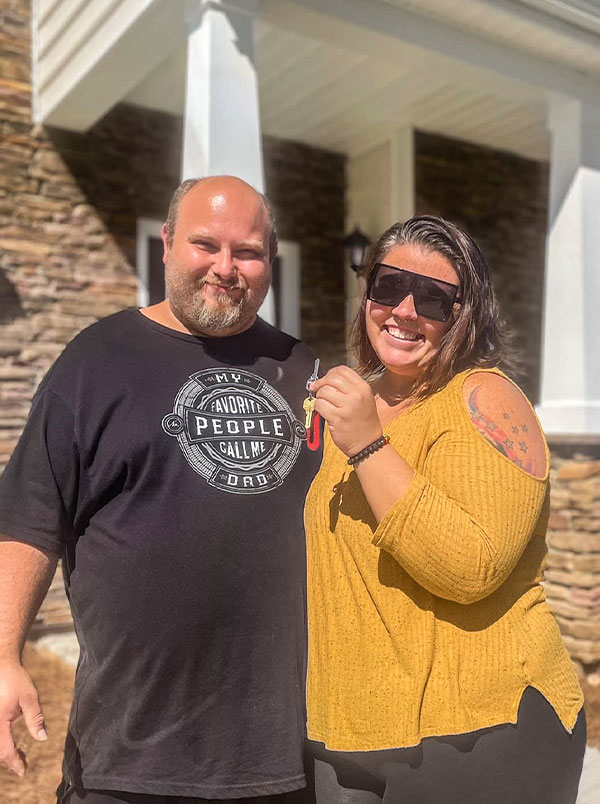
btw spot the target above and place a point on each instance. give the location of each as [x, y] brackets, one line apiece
[213, 314]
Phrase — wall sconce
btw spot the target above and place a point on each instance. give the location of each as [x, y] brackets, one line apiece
[355, 248]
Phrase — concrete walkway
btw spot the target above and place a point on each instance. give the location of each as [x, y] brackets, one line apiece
[589, 786]
[65, 645]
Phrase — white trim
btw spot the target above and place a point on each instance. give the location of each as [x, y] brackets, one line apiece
[365, 26]
[576, 12]
[95, 59]
[146, 228]
[289, 287]
[35, 58]
[570, 417]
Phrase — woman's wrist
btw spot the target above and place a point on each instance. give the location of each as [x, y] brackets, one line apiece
[369, 449]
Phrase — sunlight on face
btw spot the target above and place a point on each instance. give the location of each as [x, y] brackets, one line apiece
[404, 341]
[217, 268]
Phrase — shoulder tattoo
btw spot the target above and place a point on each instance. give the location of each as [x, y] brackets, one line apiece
[505, 437]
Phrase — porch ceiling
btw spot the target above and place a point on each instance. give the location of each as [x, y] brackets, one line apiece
[348, 100]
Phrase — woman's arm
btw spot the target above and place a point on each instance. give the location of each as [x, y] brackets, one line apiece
[461, 526]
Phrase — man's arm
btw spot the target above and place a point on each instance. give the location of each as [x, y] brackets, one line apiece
[25, 575]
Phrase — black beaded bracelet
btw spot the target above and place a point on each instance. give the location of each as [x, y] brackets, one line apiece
[369, 450]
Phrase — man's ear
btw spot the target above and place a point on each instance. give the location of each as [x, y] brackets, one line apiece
[163, 234]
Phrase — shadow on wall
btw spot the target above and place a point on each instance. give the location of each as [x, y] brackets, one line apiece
[10, 304]
[126, 166]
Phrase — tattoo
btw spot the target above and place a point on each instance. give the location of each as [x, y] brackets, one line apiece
[494, 434]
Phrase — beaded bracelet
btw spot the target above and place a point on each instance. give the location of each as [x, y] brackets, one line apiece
[369, 450]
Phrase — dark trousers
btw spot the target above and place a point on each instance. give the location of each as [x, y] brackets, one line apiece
[534, 761]
[67, 794]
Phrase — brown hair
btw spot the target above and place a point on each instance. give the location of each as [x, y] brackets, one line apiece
[477, 337]
[184, 189]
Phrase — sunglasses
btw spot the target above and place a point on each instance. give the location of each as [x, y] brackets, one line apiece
[433, 298]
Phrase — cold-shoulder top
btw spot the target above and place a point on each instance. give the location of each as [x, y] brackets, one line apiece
[434, 621]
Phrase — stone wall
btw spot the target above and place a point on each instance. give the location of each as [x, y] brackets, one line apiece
[501, 200]
[60, 265]
[306, 187]
[573, 563]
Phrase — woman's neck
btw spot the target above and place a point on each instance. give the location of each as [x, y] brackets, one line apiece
[394, 388]
[393, 394]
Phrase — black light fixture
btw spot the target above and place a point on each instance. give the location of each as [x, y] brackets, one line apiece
[355, 246]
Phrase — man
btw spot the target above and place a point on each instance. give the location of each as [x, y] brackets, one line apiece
[164, 459]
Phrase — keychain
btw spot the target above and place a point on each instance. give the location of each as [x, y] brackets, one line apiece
[312, 419]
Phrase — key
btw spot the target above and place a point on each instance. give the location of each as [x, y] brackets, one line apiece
[309, 407]
[314, 376]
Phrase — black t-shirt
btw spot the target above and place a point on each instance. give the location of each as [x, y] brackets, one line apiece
[170, 472]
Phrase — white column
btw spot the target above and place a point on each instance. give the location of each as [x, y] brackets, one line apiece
[221, 131]
[221, 122]
[570, 390]
[373, 206]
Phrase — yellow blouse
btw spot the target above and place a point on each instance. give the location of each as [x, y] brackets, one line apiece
[434, 621]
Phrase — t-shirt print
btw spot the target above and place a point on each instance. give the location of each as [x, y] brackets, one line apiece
[235, 430]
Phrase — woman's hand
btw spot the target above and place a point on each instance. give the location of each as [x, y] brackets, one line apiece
[347, 404]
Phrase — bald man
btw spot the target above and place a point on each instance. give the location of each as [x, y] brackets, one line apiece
[165, 461]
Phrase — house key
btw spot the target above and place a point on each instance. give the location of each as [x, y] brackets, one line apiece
[311, 422]
[309, 407]
[309, 402]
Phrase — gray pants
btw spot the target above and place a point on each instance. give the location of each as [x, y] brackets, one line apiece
[534, 761]
[67, 794]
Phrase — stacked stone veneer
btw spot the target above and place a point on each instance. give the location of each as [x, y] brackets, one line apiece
[573, 563]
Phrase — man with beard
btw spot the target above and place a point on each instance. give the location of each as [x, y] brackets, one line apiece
[164, 460]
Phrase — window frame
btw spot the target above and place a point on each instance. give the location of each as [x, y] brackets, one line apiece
[145, 229]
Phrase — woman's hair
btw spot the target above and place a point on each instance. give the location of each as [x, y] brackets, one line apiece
[477, 337]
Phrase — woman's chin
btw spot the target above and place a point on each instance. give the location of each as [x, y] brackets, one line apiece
[404, 363]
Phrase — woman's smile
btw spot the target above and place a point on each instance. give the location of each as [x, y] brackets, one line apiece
[403, 340]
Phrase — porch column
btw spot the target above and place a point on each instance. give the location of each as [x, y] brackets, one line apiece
[221, 124]
[221, 131]
[381, 192]
[570, 388]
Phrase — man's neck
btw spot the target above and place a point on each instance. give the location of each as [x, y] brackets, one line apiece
[163, 314]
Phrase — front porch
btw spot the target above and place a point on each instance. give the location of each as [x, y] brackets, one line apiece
[487, 113]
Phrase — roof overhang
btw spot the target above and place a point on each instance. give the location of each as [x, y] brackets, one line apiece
[340, 74]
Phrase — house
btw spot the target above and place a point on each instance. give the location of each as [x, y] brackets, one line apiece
[347, 112]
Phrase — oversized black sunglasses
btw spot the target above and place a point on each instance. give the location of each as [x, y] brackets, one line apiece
[433, 298]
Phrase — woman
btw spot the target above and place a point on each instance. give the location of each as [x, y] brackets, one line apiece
[436, 670]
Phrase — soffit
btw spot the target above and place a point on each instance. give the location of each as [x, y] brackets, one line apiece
[331, 97]
[346, 101]
[565, 32]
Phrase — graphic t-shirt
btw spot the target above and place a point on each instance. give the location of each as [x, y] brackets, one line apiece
[170, 471]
